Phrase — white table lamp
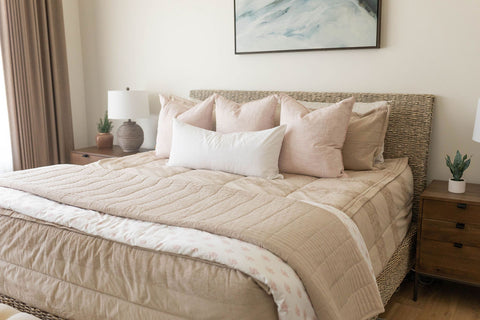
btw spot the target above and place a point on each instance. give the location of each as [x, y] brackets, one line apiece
[476, 127]
[127, 104]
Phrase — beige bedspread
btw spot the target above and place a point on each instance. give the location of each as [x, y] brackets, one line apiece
[78, 276]
[311, 240]
[378, 201]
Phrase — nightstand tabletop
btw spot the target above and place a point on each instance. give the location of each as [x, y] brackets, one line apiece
[115, 151]
[91, 154]
[438, 190]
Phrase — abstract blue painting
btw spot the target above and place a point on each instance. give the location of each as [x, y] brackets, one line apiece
[296, 25]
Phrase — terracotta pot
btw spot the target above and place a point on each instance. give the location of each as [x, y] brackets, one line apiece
[456, 186]
[104, 140]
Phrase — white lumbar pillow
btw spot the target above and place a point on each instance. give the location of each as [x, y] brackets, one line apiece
[253, 153]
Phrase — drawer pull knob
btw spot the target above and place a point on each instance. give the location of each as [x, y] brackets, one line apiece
[461, 205]
[457, 245]
[460, 225]
[85, 155]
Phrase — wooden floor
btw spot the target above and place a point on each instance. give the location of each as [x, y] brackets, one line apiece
[441, 300]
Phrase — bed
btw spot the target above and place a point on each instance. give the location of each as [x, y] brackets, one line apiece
[408, 135]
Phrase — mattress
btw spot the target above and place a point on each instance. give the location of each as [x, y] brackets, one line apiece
[378, 202]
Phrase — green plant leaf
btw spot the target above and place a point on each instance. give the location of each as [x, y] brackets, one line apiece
[104, 125]
[448, 160]
[459, 165]
[458, 158]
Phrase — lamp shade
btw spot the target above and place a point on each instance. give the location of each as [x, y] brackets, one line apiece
[476, 128]
[126, 104]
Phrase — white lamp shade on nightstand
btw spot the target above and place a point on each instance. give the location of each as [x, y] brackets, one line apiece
[476, 128]
[126, 104]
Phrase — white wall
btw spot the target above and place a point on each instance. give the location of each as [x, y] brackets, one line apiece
[428, 46]
[75, 72]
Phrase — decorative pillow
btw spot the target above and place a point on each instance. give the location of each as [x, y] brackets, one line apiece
[314, 140]
[247, 153]
[365, 138]
[251, 116]
[199, 115]
[358, 107]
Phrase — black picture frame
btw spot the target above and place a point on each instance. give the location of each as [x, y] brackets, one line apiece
[376, 45]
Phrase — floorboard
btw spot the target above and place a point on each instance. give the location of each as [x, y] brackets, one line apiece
[439, 300]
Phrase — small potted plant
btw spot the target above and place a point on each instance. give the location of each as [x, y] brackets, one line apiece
[104, 137]
[457, 167]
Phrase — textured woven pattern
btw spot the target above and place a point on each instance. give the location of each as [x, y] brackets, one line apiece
[409, 127]
[22, 307]
[398, 266]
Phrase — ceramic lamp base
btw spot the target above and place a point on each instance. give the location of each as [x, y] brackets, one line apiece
[456, 186]
[130, 136]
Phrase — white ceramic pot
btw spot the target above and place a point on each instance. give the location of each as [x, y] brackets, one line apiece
[456, 186]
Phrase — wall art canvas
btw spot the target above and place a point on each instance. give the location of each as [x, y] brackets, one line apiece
[298, 25]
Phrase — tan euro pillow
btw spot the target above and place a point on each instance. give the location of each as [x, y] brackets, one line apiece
[199, 115]
[358, 107]
[365, 137]
[251, 116]
[314, 139]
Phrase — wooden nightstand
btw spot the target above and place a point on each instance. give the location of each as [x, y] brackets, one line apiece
[92, 154]
[448, 240]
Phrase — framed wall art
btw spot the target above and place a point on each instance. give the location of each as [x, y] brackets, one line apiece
[302, 25]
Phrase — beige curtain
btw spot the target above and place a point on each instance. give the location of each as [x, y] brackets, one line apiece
[36, 79]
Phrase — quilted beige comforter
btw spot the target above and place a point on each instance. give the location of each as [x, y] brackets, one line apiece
[312, 241]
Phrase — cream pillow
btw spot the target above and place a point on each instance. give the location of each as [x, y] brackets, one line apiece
[251, 116]
[200, 115]
[358, 107]
[247, 153]
[314, 140]
[365, 138]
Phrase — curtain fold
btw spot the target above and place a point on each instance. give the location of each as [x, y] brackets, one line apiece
[36, 81]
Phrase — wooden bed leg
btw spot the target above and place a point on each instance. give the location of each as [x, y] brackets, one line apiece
[415, 287]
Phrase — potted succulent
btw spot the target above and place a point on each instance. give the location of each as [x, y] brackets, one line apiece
[457, 167]
[104, 137]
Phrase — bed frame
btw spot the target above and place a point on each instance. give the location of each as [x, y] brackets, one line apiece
[408, 135]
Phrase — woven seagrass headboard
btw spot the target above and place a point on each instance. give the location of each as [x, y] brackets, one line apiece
[409, 127]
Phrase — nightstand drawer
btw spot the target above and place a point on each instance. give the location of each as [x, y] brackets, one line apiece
[451, 211]
[83, 158]
[452, 260]
[467, 234]
[448, 242]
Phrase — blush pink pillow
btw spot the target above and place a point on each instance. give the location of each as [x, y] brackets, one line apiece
[313, 141]
[200, 115]
[251, 116]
